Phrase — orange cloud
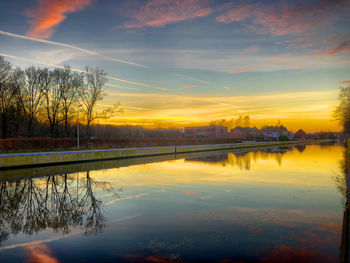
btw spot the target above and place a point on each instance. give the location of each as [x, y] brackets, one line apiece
[343, 47]
[158, 13]
[344, 82]
[40, 253]
[242, 70]
[283, 18]
[189, 86]
[190, 192]
[51, 13]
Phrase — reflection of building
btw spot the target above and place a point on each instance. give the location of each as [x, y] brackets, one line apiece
[210, 132]
[220, 158]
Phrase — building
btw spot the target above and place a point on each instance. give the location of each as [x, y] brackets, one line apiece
[300, 135]
[236, 134]
[209, 132]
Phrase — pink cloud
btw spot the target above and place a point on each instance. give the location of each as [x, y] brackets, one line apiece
[49, 14]
[343, 47]
[343, 82]
[158, 13]
[242, 70]
[282, 19]
[239, 13]
[189, 86]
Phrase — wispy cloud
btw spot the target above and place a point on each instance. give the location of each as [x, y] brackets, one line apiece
[283, 19]
[189, 86]
[90, 52]
[195, 79]
[242, 70]
[344, 82]
[49, 14]
[343, 47]
[158, 13]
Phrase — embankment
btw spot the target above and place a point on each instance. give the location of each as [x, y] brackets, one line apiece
[10, 161]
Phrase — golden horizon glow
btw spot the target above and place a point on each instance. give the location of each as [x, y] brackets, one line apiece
[310, 111]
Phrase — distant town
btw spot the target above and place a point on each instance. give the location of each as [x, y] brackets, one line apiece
[211, 131]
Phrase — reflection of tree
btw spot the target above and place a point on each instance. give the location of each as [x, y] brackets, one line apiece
[243, 159]
[342, 181]
[55, 202]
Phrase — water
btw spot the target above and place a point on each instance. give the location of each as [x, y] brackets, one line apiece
[271, 205]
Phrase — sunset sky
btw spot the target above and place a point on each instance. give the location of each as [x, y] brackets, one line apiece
[174, 63]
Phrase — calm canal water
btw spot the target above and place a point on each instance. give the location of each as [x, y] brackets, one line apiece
[270, 205]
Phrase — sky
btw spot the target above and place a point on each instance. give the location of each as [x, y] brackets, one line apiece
[177, 63]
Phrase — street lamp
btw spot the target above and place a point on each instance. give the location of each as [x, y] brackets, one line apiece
[78, 139]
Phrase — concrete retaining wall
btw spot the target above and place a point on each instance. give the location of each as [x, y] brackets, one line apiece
[49, 158]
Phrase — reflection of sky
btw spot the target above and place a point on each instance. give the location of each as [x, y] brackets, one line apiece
[283, 208]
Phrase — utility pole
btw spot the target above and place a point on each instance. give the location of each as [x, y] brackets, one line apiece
[78, 137]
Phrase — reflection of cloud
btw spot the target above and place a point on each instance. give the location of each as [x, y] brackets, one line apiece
[51, 13]
[147, 259]
[40, 253]
[286, 254]
[125, 198]
[39, 242]
[158, 13]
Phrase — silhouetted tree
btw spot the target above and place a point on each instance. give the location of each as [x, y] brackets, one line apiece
[342, 111]
[7, 94]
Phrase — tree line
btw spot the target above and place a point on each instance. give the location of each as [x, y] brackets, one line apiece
[41, 102]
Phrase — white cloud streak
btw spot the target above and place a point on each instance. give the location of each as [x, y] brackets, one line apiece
[94, 53]
[73, 69]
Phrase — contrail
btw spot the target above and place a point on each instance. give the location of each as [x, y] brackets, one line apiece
[71, 46]
[120, 86]
[74, 69]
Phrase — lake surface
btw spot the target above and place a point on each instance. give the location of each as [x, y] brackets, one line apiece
[269, 205]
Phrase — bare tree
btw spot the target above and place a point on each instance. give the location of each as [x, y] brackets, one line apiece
[30, 86]
[70, 94]
[6, 94]
[91, 93]
[342, 111]
[53, 98]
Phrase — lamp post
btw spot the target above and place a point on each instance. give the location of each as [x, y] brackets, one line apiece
[78, 138]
